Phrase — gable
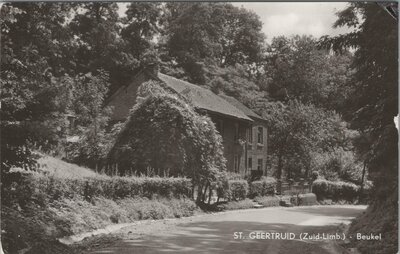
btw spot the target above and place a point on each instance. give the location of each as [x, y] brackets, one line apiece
[125, 97]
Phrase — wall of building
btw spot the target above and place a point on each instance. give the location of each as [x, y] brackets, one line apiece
[257, 150]
[124, 99]
[232, 131]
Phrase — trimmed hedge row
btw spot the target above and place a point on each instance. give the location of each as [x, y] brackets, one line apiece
[335, 190]
[264, 186]
[240, 189]
[235, 205]
[24, 186]
[268, 201]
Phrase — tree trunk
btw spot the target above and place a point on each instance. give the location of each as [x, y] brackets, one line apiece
[279, 172]
[205, 192]
[362, 181]
[199, 193]
[209, 195]
[193, 187]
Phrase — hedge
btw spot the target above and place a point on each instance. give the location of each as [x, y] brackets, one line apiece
[307, 199]
[264, 186]
[238, 189]
[24, 186]
[267, 201]
[236, 205]
[335, 190]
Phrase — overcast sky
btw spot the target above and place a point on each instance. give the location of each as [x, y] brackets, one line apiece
[297, 18]
[289, 18]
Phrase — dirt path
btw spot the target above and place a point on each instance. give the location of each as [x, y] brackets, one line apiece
[215, 233]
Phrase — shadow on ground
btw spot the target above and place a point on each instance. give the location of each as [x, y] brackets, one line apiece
[332, 211]
[216, 234]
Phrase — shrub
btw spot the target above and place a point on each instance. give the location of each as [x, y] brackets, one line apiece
[181, 207]
[23, 187]
[314, 175]
[238, 189]
[307, 199]
[294, 199]
[235, 205]
[337, 164]
[335, 190]
[264, 186]
[268, 201]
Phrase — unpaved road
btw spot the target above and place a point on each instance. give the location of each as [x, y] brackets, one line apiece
[215, 233]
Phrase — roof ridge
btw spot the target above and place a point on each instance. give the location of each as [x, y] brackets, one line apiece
[187, 82]
[238, 104]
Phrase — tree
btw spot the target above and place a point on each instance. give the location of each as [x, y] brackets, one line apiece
[297, 131]
[90, 119]
[234, 81]
[33, 104]
[197, 35]
[296, 68]
[96, 29]
[141, 25]
[374, 105]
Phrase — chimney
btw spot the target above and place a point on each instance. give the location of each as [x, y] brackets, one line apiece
[153, 68]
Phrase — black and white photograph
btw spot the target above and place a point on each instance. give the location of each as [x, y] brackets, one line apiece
[199, 127]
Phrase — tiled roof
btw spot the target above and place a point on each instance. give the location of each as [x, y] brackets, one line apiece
[203, 98]
[239, 105]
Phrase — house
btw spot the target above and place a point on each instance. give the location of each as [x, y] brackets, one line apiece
[239, 127]
[256, 149]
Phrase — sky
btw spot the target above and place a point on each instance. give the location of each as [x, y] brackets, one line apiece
[289, 18]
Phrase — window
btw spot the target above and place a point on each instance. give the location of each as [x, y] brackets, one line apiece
[236, 137]
[260, 139]
[259, 164]
[250, 163]
[220, 127]
[250, 135]
[236, 163]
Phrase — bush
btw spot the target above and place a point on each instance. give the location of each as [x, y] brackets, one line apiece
[268, 201]
[337, 164]
[23, 187]
[307, 199]
[294, 199]
[235, 205]
[335, 190]
[238, 189]
[264, 186]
